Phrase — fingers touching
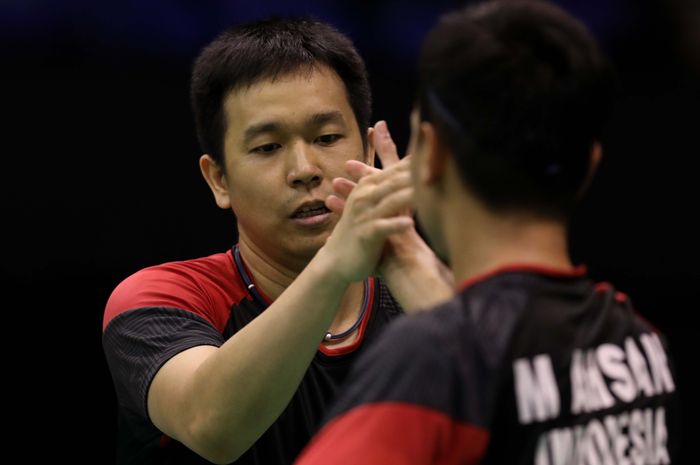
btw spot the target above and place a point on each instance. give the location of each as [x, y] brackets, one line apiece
[379, 183]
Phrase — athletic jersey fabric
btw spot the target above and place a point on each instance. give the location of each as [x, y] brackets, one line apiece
[163, 310]
[523, 366]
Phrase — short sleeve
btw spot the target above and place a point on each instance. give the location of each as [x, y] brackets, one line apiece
[137, 343]
[150, 317]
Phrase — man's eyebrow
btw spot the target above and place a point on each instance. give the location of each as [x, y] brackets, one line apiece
[319, 119]
[260, 128]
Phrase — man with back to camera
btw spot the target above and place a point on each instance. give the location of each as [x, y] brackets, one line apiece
[201, 372]
[530, 362]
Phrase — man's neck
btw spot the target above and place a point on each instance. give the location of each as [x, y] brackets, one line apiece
[270, 276]
[479, 241]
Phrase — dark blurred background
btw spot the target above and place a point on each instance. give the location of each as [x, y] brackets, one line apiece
[100, 176]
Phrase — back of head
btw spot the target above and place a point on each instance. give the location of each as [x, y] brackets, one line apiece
[249, 53]
[519, 91]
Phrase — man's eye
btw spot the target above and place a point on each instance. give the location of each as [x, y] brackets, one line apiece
[328, 139]
[267, 148]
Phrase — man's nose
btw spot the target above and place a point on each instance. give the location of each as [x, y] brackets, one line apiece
[303, 167]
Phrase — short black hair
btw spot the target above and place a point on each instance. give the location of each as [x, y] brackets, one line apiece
[520, 91]
[266, 49]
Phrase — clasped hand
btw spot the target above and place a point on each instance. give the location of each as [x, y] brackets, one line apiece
[375, 210]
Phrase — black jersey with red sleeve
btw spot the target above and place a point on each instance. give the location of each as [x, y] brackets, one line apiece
[523, 366]
[163, 310]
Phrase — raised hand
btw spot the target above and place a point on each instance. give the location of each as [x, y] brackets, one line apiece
[415, 276]
[388, 155]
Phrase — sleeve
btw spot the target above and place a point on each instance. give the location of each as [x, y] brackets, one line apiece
[401, 406]
[142, 333]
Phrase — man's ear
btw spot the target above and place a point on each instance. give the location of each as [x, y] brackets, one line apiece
[216, 179]
[369, 156]
[594, 159]
[435, 154]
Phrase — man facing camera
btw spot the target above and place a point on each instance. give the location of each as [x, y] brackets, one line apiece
[235, 357]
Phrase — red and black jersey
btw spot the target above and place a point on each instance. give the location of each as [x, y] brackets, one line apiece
[523, 366]
[161, 311]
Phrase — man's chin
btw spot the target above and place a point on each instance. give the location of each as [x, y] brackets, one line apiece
[309, 246]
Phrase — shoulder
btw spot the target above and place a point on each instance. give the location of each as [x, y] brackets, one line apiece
[422, 357]
[427, 325]
[421, 332]
[203, 286]
[413, 353]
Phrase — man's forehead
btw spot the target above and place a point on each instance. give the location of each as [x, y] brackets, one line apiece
[306, 78]
[317, 98]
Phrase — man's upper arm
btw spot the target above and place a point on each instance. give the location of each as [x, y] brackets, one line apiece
[400, 406]
[170, 395]
[150, 319]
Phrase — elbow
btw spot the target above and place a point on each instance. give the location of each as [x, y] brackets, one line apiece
[219, 456]
[214, 442]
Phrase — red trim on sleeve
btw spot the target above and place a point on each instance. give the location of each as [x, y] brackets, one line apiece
[396, 433]
[361, 331]
[205, 286]
[576, 272]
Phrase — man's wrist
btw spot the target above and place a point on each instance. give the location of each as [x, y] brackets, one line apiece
[325, 266]
[407, 250]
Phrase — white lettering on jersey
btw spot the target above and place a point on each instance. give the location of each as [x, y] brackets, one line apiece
[536, 389]
[658, 363]
[638, 437]
[639, 368]
[588, 389]
[611, 359]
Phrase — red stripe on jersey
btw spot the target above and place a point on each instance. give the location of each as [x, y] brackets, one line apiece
[576, 272]
[396, 433]
[205, 286]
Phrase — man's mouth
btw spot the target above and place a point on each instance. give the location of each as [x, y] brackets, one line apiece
[310, 209]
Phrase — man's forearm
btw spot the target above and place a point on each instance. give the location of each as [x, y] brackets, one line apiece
[241, 388]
